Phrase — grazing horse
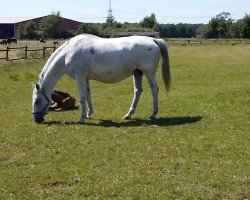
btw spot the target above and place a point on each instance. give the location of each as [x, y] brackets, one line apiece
[42, 40]
[55, 42]
[3, 41]
[10, 40]
[87, 57]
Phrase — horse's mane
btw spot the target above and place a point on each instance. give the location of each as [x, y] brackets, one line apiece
[50, 60]
[53, 56]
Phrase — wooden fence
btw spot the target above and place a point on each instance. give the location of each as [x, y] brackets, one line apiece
[5, 54]
[24, 52]
[207, 41]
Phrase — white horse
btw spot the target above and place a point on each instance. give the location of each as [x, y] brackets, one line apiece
[87, 57]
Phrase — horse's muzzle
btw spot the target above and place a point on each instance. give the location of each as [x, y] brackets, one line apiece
[38, 119]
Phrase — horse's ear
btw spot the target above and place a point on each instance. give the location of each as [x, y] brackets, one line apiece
[37, 87]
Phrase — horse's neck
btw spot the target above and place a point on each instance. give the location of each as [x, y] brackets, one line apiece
[50, 78]
[53, 70]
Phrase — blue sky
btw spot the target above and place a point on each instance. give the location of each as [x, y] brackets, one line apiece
[167, 11]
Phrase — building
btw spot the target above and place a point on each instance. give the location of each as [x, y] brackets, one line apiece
[8, 27]
[7, 30]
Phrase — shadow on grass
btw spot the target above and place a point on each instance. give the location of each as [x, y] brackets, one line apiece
[163, 121]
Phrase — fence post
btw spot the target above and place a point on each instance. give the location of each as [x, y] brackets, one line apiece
[7, 53]
[44, 49]
[26, 52]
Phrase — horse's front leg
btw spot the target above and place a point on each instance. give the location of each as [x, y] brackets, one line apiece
[89, 102]
[82, 90]
[154, 90]
[137, 78]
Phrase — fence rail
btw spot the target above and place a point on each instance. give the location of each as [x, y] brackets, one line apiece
[207, 41]
[24, 52]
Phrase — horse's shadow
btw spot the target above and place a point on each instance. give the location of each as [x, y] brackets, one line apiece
[162, 121]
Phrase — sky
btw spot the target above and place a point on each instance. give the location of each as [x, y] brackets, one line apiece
[166, 11]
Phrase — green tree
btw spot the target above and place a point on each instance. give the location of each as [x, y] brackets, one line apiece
[245, 26]
[235, 30]
[110, 20]
[149, 22]
[178, 30]
[181, 30]
[201, 30]
[111, 29]
[219, 26]
[28, 31]
[50, 25]
[89, 29]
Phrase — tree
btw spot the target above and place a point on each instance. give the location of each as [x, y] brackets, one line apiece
[89, 29]
[172, 30]
[181, 30]
[191, 30]
[235, 30]
[110, 19]
[245, 26]
[219, 26]
[201, 30]
[28, 31]
[149, 22]
[50, 25]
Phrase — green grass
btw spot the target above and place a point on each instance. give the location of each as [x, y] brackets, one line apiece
[198, 148]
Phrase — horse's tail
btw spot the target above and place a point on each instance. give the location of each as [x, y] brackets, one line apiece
[166, 77]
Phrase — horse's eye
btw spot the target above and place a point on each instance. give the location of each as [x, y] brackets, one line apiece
[37, 102]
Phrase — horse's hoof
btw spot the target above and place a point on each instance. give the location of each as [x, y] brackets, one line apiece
[152, 118]
[81, 122]
[127, 117]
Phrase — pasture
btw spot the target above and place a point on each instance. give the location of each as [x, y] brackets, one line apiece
[34, 49]
[198, 148]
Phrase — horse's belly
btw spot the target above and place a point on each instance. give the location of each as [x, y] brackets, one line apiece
[109, 75]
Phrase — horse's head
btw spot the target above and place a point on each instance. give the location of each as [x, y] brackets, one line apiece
[40, 103]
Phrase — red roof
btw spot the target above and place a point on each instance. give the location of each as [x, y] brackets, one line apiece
[66, 24]
[13, 20]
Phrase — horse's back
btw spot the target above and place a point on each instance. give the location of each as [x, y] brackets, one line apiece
[111, 60]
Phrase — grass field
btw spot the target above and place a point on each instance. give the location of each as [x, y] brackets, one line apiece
[198, 148]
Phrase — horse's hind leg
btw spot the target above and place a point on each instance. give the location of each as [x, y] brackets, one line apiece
[137, 78]
[154, 90]
[89, 102]
[82, 89]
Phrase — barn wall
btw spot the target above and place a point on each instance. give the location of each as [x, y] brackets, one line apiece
[7, 30]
